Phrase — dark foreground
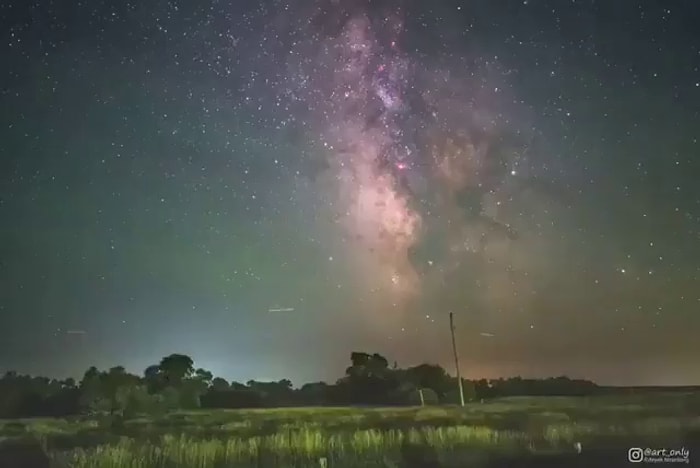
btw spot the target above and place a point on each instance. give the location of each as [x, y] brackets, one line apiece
[33, 456]
[506, 433]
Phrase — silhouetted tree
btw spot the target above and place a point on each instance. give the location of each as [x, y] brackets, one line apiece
[219, 385]
[175, 368]
[204, 376]
[368, 381]
[273, 393]
[430, 376]
[175, 383]
[314, 394]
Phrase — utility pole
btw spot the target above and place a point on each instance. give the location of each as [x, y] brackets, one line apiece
[454, 350]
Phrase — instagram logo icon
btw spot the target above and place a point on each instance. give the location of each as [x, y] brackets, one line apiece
[635, 455]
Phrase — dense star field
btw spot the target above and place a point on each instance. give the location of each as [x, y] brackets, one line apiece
[268, 186]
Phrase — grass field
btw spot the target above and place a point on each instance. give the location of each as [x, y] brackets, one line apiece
[482, 434]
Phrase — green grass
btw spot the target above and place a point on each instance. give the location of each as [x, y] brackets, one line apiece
[346, 437]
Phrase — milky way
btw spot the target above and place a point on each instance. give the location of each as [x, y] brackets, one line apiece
[270, 185]
[423, 167]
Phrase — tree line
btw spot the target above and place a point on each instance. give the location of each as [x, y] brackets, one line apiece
[175, 383]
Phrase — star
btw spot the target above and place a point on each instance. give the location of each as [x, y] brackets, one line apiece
[379, 163]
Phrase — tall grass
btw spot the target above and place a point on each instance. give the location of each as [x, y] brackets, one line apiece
[367, 447]
[303, 447]
[352, 437]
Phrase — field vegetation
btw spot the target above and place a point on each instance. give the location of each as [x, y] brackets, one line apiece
[179, 416]
[506, 430]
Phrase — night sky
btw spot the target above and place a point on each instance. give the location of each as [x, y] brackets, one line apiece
[268, 185]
